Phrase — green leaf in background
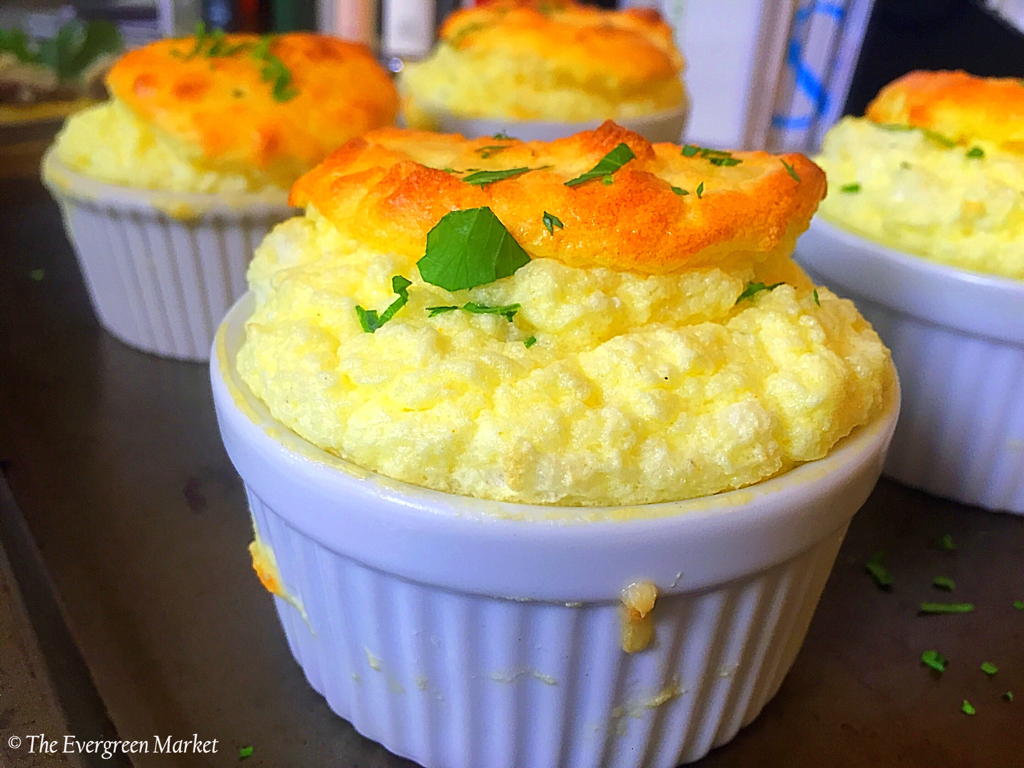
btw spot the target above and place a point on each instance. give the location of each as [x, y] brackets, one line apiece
[470, 248]
[606, 166]
[78, 46]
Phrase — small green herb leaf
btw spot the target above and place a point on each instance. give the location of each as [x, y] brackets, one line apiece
[976, 153]
[689, 150]
[935, 660]
[938, 138]
[501, 136]
[607, 180]
[814, 293]
[946, 543]
[1008, 695]
[551, 221]
[37, 274]
[753, 289]
[508, 310]
[878, 572]
[606, 166]
[850, 188]
[945, 608]
[700, 191]
[944, 582]
[680, 191]
[435, 311]
[490, 150]
[530, 341]
[989, 668]
[274, 71]
[244, 752]
[724, 161]
[967, 709]
[368, 318]
[470, 248]
[791, 170]
[1019, 605]
[489, 177]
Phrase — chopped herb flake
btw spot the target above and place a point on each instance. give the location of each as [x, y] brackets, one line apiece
[938, 138]
[850, 188]
[501, 136]
[37, 274]
[530, 342]
[508, 310]
[976, 153]
[689, 150]
[946, 543]
[967, 709]
[700, 191]
[814, 293]
[469, 248]
[435, 311]
[935, 660]
[680, 191]
[944, 608]
[551, 221]
[791, 170]
[1019, 605]
[1008, 695]
[607, 165]
[490, 150]
[368, 318]
[489, 177]
[879, 573]
[607, 180]
[989, 668]
[724, 161]
[274, 71]
[244, 752]
[944, 582]
[753, 289]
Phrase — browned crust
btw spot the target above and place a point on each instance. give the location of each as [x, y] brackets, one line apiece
[222, 105]
[958, 105]
[628, 47]
[386, 190]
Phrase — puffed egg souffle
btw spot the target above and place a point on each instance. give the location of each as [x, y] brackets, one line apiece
[591, 321]
[546, 61]
[217, 113]
[935, 168]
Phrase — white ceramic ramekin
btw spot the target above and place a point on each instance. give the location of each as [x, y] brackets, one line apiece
[667, 125]
[161, 268]
[957, 339]
[463, 633]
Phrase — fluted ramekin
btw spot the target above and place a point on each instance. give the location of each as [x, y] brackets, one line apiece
[957, 339]
[161, 268]
[463, 633]
[666, 125]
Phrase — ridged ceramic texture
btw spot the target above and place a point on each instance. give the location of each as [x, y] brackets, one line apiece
[961, 429]
[161, 284]
[467, 681]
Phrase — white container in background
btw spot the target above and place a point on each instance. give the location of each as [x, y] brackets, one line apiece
[957, 339]
[161, 268]
[463, 633]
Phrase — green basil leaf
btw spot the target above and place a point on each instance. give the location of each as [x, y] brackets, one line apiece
[606, 166]
[470, 248]
[680, 191]
[489, 177]
[551, 221]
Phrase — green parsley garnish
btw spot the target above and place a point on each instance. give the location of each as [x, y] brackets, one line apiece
[607, 180]
[680, 191]
[1008, 695]
[435, 311]
[508, 310]
[368, 317]
[489, 177]
[470, 248]
[244, 752]
[944, 582]
[989, 668]
[486, 152]
[530, 341]
[1019, 605]
[689, 150]
[945, 608]
[37, 274]
[606, 166]
[700, 191]
[753, 289]
[814, 293]
[975, 153]
[879, 573]
[274, 71]
[551, 221]
[724, 161]
[946, 543]
[791, 170]
[501, 136]
[850, 188]
[935, 660]
[967, 709]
